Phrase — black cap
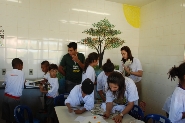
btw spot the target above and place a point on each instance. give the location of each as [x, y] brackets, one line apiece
[87, 86]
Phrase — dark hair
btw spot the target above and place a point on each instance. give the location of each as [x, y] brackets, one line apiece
[16, 61]
[53, 66]
[46, 63]
[177, 71]
[87, 86]
[129, 53]
[72, 45]
[118, 79]
[90, 59]
[108, 66]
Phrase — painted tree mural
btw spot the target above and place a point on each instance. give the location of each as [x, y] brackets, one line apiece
[103, 37]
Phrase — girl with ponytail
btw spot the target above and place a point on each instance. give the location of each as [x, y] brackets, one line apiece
[177, 101]
[90, 62]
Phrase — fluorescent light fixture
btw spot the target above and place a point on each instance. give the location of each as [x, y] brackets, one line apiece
[183, 5]
[75, 22]
[93, 12]
[16, 1]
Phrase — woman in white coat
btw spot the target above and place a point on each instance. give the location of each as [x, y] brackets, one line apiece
[132, 67]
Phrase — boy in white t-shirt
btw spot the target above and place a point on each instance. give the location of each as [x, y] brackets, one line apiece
[81, 95]
[14, 81]
[52, 92]
[120, 97]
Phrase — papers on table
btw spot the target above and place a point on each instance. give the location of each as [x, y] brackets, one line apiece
[90, 119]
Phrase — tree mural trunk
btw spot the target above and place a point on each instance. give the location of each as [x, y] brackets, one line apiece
[101, 59]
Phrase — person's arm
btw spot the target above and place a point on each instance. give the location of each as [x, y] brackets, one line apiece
[80, 64]
[118, 118]
[69, 107]
[139, 73]
[102, 95]
[61, 70]
[78, 111]
[109, 106]
[42, 89]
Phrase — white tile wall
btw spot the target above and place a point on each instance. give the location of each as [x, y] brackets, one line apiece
[37, 30]
[161, 46]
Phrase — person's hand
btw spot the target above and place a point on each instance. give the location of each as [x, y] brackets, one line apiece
[41, 86]
[126, 69]
[75, 58]
[70, 110]
[106, 115]
[117, 119]
[78, 111]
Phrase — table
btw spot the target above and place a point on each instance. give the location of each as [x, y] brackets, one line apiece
[65, 117]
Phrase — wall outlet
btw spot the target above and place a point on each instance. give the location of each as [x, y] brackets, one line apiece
[3, 71]
[30, 71]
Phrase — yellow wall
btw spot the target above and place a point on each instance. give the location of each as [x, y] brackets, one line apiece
[132, 15]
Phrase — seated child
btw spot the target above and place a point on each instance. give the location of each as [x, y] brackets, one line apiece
[120, 97]
[81, 95]
[52, 91]
[14, 81]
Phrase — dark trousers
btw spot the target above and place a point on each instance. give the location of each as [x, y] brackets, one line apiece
[51, 111]
[8, 107]
[70, 85]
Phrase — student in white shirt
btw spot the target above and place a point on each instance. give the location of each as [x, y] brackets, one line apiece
[81, 95]
[108, 68]
[121, 94]
[45, 69]
[177, 106]
[14, 81]
[133, 70]
[90, 62]
[52, 92]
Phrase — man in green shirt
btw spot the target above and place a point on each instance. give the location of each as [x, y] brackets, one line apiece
[71, 66]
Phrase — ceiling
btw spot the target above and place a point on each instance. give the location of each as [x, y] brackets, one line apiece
[138, 3]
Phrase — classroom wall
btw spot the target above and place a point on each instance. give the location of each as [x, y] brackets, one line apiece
[161, 46]
[37, 30]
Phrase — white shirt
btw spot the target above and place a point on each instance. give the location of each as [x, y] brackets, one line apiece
[135, 66]
[14, 80]
[177, 106]
[53, 92]
[131, 93]
[75, 98]
[90, 73]
[46, 76]
[166, 106]
[101, 82]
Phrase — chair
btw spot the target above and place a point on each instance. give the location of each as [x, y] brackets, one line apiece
[19, 114]
[156, 118]
[137, 112]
